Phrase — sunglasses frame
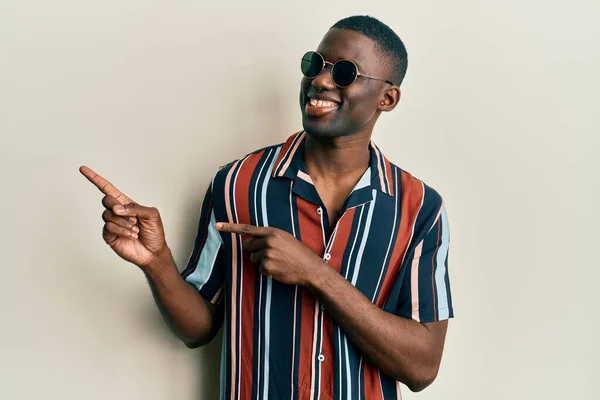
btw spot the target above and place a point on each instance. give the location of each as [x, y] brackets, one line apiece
[325, 63]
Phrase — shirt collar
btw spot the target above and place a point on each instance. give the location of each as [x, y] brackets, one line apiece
[290, 164]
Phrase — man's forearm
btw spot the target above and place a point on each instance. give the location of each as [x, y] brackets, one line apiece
[401, 348]
[185, 311]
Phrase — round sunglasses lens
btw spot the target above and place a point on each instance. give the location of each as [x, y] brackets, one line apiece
[344, 73]
[312, 64]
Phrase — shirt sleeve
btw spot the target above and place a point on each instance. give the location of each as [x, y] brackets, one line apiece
[425, 292]
[204, 270]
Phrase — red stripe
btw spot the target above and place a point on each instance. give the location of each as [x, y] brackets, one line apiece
[242, 191]
[309, 222]
[372, 387]
[342, 236]
[412, 196]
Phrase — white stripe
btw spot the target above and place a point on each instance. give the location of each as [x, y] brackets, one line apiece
[292, 209]
[320, 350]
[361, 249]
[332, 239]
[260, 277]
[294, 341]
[323, 231]
[348, 377]
[340, 360]
[360, 364]
[207, 259]
[269, 282]
[440, 270]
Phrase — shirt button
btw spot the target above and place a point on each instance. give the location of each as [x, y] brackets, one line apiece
[323, 307]
[319, 211]
[327, 257]
[321, 357]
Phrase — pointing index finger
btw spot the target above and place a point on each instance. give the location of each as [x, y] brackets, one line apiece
[105, 186]
[242, 229]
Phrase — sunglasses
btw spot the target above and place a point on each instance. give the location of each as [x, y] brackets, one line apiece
[343, 72]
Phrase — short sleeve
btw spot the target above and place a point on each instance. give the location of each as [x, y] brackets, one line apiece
[425, 291]
[204, 270]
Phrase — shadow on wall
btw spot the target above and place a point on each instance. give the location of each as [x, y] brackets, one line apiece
[210, 357]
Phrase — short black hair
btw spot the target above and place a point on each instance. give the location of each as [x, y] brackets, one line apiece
[384, 37]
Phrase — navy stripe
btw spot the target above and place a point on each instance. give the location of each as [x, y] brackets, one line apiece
[280, 358]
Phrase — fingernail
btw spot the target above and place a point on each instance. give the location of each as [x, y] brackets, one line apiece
[132, 220]
[119, 208]
[134, 236]
[135, 229]
[219, 225]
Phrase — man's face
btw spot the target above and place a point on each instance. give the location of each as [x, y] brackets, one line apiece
[356, 106]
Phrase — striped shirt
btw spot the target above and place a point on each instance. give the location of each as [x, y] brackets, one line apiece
[391, 242]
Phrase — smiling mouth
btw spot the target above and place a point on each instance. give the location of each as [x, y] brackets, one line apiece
[316, 108]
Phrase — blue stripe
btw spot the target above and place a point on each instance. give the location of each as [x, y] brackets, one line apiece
[208, 256]
[440, 271]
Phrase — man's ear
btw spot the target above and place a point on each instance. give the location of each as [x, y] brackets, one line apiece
[390, 99]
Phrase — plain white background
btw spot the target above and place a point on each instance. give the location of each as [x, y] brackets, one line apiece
[499, 113]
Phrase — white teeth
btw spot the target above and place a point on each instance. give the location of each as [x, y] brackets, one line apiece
[322, 103]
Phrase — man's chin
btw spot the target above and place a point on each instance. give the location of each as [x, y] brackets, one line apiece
[318, 132]
[318, 128]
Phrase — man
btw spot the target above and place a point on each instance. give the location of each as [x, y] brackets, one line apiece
[327, 262]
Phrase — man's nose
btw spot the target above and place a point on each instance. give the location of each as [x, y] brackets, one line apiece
[323, 81]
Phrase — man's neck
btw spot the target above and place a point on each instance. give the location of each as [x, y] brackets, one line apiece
[337, 159]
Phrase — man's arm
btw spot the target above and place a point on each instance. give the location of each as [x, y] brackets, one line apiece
[402, 348]
[137, 235]
[406, 350]
[191, 318]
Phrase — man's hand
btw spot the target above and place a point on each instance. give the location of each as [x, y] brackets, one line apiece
[277, 253]
[133, 231]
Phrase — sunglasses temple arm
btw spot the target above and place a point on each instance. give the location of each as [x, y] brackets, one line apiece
[377, 79]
